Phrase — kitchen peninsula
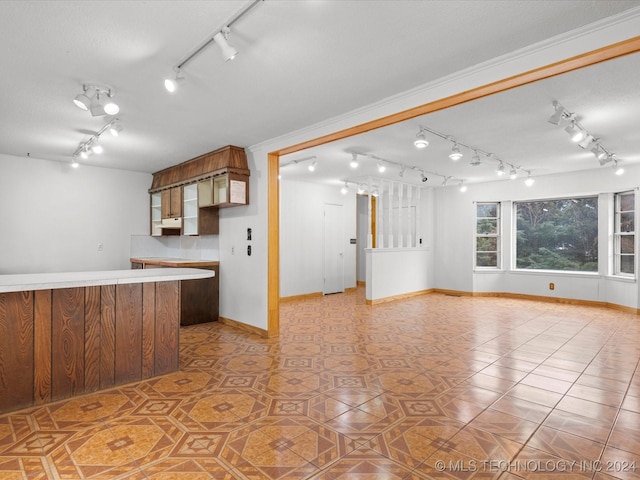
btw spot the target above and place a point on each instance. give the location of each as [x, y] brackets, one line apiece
[65, 334]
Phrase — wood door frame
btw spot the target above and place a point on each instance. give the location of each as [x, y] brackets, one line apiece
[593, 57]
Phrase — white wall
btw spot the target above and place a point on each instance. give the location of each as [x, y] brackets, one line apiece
[397, 271]
[301, 236]
[56, 216]
[243, 278]
[454, 245]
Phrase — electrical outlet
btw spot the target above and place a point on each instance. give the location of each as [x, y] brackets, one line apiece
[249, 250]
[100, 247]
[233, 250]
[552, 286]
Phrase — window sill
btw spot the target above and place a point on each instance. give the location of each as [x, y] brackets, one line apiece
[488, 270]
[561, 273]
[620, 278]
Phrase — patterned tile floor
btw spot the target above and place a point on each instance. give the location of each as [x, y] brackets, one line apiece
[431, 387]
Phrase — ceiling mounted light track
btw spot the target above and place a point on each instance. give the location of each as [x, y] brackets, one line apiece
[220, 37]
[580, 135]
[97, 100]
[85, 149]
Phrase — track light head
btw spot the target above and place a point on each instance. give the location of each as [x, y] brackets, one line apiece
[97, 148]
[228, 51]
[455, 154]
[475, 160]
[575, 133]
[513, 173]
[500, 170]
[424, 177]
[598, 152]
[558, 115]
[421, 141]
[75, 163]
[381, 167]
[586, 141]
[529, 180]
[354, 160]
[83, 100]
[115, 128]
[617, 168]
[344, 190]
[173, 84]
[312, 166]
[463, 187]
[605, 159]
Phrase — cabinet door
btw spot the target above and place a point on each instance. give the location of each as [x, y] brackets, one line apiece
[172, 202]
[176, 202]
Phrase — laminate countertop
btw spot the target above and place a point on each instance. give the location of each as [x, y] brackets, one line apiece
[175, 262]
[45, 281]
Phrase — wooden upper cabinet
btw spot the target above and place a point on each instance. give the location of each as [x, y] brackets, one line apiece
[172, 202]
[211, 181]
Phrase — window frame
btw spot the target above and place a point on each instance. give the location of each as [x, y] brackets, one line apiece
[514, 253]
[497, 236]
[617, 234]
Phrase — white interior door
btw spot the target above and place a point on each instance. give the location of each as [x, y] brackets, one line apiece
[333, 261]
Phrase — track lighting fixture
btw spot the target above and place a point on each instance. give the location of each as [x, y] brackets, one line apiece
[97, 99]
[513, 173]
[455, 154]
[576, 134]
[83, 100]
[500, 170]
[445, 181]
[401, 172]
[312, 166]
[463, 187]
[580, 135]
[529, 180]
[598, 152]
[344, 190]
[619, 170]
[74, 162]
[421, 141]
[354, 160]
[475, 160]
[558, 115]
[96, 147]
[360, 190]
[605, 159]
[173, 84]
[424, 177]
[381, 167]
[92, 145]
[220, 37]
[229, 52]
[115, 128]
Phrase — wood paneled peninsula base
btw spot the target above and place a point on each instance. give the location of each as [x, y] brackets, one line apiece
[64, 334]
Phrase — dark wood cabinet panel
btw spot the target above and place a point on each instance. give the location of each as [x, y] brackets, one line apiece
[107, 336]
[167, 326]
[148, 329]
[128, 333]
[199, 299]
[42, 347]
[172, 202]
[92, 338]
[67, 342]
[59, 343]
[16, 350]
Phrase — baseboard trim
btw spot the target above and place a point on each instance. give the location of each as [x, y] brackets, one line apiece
[540, 298]
[351, 290]
[361, 282]
[402, 296]
[245, 327]
[304, 296]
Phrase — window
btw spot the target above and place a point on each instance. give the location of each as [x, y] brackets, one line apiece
[557, 234]
[624, 234]
[488, 235]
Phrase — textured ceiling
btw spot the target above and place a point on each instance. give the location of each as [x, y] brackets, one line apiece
[300, 62]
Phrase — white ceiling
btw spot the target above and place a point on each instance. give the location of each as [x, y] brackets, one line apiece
[300, 62]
